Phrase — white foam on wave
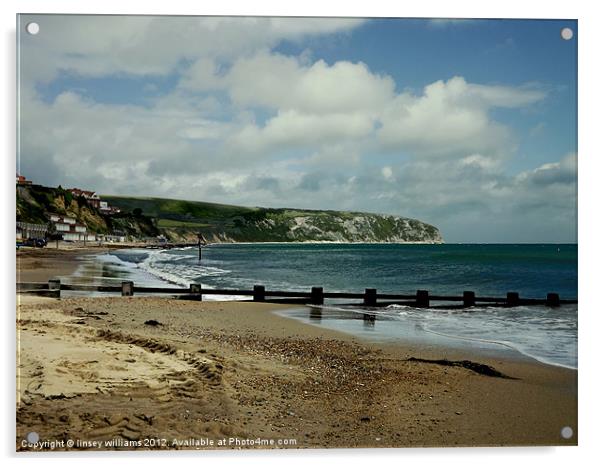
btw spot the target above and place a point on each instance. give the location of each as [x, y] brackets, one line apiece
[114, 260]
[173, 269]
[544, 334]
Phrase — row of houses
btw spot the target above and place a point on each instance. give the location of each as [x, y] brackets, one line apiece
[31, 230]
[68, 228]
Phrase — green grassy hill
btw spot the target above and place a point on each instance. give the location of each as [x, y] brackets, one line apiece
[181, 220]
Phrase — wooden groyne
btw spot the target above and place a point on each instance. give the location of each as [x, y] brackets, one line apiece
[369, 298]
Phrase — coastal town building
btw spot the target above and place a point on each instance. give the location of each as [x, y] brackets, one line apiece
[116, 238]
[31, 230]
[69, 229]
[105, 208]
[22, 180]
[95, 201]
[90, 196]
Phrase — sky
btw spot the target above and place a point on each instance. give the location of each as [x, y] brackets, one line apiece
[469, 125]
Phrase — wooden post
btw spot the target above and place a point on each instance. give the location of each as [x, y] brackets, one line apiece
[553, 300]
[259, 293]
[127, 288]
[317, 295]
[54, 287]
[201, 241]
[196, 290]
[370, 297]
[512, 298]
[422, 298]
[469, 298]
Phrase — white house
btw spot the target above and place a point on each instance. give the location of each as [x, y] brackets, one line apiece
[70, 229]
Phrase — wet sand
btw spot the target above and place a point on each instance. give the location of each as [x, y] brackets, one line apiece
[42, 264]
[149, 372]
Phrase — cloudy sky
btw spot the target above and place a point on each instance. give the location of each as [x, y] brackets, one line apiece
[468, 125]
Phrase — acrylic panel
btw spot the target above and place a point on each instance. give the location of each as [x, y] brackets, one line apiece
[272, 232]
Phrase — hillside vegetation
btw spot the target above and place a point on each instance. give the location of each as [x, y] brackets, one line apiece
[35, 203]
[182, 220]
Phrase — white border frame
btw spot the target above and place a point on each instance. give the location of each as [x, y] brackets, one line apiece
[589, 83]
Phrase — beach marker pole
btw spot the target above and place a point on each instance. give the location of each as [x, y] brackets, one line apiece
[422, 298]
[469, 298]
[54, 286]
[370, 297]
[317, 295]
[553, 300]
[512, 298]
[259, 293]
[201, 241]
[127, 288]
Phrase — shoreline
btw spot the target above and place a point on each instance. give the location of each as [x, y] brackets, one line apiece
[45, 264]
[132, 368]
[496, 351]
[211, 369]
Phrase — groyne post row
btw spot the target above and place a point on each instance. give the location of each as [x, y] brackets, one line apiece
[369, 298]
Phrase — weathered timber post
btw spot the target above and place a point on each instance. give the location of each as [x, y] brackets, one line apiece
[317, 295]
[196, 291]
[259, 293]
[553, 300]
[201, 242]
[370, 297]
[54, 287]
[469, 298]
[127, 288]
[512, 298]
[422, 298]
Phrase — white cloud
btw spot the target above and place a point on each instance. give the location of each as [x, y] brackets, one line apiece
[452, 118]
[291, 129]
[246, 125]
[141, 45]
[280, 82]
[562, 172]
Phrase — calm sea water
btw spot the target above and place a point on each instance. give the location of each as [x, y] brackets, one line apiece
[547, 334]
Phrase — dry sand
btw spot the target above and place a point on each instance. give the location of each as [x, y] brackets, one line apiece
[91, 369]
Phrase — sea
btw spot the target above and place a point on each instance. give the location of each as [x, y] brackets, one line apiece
[533, 270]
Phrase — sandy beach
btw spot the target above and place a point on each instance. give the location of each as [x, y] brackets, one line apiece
[146, 372]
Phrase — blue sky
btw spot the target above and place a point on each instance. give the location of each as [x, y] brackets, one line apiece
[469, 125]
